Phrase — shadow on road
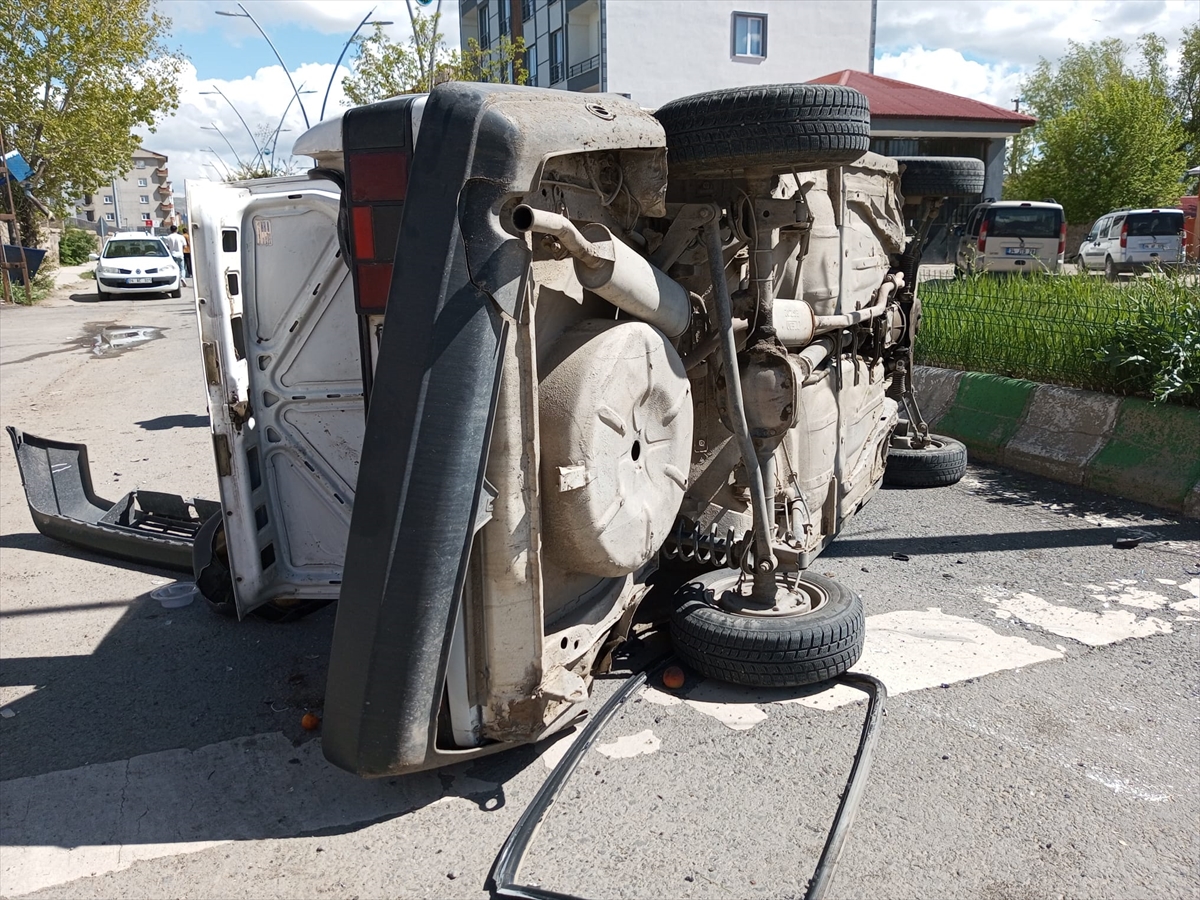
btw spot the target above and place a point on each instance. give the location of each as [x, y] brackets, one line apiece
[163, 423]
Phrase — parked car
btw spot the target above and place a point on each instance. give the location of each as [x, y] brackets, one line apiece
[136, 263]
[1014, 236]
[1132, 241]
[487, 373]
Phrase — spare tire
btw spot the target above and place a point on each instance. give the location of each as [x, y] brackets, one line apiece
[940, 463]
[940, 176]
[786, 127]
[784, 650]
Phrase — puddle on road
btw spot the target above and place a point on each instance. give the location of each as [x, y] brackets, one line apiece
[110, 339]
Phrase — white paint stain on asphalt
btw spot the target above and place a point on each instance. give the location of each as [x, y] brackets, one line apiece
[102, 818]
[1192, 603]
[660, 698]
[729, 705]
[642, 743]
[1096, 629]
[555, 752]
[1126, 593]
[914, 650]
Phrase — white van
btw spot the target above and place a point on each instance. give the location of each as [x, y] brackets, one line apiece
[1133, 241]
[1021, 236]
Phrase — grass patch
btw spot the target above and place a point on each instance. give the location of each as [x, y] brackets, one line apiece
[1140, 337]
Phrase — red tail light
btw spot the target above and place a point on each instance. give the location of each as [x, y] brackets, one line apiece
[983, 236]
[1124, 235]
[1062, 239]
[377, 183]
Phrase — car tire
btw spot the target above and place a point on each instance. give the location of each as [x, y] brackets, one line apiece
[784, 127]
[940, 463]
[940, 176]
[176, 294]
[765, 650]
[1110, 269]
[102, 296]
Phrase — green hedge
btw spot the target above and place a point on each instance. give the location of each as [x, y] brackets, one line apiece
[75, 246]
[1140, 337]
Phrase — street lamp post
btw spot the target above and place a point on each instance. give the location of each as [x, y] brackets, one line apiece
[245, 14]
[279, 127]
[253, 140]
[346, 47]
[213, 127]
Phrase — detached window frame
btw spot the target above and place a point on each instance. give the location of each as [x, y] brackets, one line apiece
[743, 38]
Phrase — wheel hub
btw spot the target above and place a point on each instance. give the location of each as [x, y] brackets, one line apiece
[793, 596]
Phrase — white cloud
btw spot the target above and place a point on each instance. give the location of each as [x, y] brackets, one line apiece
[947, 70]
[261, 100]
[1019, 32]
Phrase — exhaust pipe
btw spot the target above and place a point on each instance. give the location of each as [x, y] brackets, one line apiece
[607, 266]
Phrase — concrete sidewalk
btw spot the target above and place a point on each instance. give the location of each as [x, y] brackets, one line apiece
[1123, 446]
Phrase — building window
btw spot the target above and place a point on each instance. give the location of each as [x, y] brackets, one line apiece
[141, 182]
[558, 53]
[109, 217]
[140, 163]
[531, 64]
[750, 35]
[144, 198]
[485, 26]
[502, 14]
[107, 200]
[526, 10]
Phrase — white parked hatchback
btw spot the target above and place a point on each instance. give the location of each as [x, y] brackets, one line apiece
[136, 263]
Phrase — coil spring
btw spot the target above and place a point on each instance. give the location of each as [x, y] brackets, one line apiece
[689, 543]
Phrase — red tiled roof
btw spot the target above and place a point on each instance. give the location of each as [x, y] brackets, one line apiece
[898, 99]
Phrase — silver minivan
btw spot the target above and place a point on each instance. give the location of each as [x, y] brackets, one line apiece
[1133, 241]
[1015, 236]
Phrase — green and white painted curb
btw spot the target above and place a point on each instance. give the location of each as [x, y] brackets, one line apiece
[1123, 446]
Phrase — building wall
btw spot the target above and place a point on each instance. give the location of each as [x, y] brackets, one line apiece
[664, 49]
[657, 50]
[126, 208]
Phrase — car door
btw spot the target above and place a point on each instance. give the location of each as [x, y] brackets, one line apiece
[1089, 248]
[280, 344]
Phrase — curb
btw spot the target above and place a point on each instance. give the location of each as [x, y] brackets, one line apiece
[1123, 446]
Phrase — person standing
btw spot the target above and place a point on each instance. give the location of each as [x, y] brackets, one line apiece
[187, 249]
[175, 243]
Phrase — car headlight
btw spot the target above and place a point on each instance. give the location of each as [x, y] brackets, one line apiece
[107, 270]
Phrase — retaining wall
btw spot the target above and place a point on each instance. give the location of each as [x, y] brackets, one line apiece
[1123, 446]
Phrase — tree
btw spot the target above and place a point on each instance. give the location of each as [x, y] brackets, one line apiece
[1185, 92]
[78, 80]
[1108, 135]
[384, 68]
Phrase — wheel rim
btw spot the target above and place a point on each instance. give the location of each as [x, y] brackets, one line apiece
[794, 597]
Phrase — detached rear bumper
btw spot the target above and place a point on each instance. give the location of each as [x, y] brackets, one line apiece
[145, 527]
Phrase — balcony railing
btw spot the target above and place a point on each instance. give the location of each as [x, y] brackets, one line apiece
[556, 72]
[161, 170]
[586, 66]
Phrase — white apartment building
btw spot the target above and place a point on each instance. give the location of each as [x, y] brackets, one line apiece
[656, 50]
[141, 198]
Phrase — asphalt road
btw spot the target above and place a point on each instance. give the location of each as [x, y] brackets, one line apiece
[1040, 739]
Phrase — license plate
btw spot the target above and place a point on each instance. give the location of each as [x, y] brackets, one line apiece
[138, 281]
[1018, 251]
[1154, 246]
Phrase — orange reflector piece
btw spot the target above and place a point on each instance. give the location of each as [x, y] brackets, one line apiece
[364, 232]
[374, 282]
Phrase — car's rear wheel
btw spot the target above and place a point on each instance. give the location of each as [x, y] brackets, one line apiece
[816, 632]
[782, 127]
[939, 463]
[940, 176]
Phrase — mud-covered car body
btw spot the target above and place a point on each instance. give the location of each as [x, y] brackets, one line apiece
[539, 325]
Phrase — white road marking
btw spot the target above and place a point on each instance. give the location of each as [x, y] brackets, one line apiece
[1096, 629]
[101, 818]
[913, 650]
[729, 705]
[644, 742]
